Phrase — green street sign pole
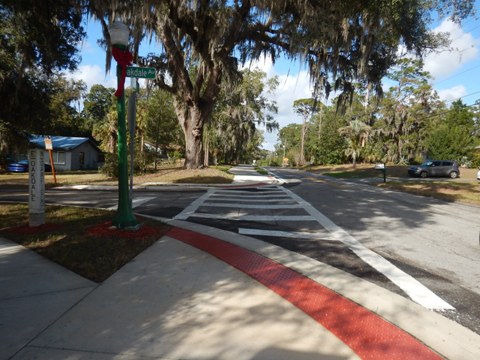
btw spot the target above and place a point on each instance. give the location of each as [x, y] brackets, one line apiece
[124, 217]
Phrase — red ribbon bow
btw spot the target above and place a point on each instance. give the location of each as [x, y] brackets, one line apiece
[123, 58]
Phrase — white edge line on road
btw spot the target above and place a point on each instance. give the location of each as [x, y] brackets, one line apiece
[262, 200]
[412, 287]
[251, 206]
[286, 234]
[247, 194]
[230, 216]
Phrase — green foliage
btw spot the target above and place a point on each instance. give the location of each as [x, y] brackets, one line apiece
[97, 103]
[110, 166]
[232, 134]
[406, 112]
[329, 146]
[305, 107]
[355, 134]
[452, 136]
[162, 128]
[37, 40]
[65, 117]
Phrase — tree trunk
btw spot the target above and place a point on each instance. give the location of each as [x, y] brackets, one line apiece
[302, 142]
[192, 119]
[193, 149]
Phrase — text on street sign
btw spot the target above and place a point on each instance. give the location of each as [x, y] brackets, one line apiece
[141, 72]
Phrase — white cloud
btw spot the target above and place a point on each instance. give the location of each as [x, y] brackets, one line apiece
[463, 48]
[453, 93]
[93, 74]
[290, 88]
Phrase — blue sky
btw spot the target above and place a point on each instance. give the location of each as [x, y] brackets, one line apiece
[455, 72]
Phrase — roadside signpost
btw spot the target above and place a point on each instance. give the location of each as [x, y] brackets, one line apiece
[141, 72]
[36, 187]
[49, 148]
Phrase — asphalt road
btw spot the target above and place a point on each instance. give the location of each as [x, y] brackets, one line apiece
[336, 222]
[434, 241]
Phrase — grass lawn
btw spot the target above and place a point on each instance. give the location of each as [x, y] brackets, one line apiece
[210, 175]
[81, 240]
[466, 192]
[465, 189]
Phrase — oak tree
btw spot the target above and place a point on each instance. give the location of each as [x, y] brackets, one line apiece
[341, 41]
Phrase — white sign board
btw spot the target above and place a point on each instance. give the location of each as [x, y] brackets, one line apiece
[48, 143]
[36, 187]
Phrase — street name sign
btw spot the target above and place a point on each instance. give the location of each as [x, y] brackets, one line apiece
[141, 72]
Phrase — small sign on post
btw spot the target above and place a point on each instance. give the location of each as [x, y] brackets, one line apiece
[49, 147]
[383, 169]
[48, 143]
[141, 72]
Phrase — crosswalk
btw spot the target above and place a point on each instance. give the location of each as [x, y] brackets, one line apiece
[273, 211]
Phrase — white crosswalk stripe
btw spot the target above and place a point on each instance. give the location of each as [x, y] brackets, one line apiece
[136, 202]
[210, 205]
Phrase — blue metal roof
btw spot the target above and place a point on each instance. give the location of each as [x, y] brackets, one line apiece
[65, 143]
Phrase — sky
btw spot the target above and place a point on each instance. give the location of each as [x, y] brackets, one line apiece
[455, 72]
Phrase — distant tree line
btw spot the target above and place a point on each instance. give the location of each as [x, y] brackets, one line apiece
[407, 124]
[347, 46]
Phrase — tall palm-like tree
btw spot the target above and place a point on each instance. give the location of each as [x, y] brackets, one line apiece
[306, 108]
[356, 133]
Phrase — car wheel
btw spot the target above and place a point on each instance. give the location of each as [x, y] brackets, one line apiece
[453, 175]
[423, 174]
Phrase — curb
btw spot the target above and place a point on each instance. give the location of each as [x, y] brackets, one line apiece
[366, 333]
[446, 337]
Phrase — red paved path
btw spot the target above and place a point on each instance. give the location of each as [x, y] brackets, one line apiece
[367, 334]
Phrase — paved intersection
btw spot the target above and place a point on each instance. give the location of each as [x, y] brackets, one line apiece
[274, 210]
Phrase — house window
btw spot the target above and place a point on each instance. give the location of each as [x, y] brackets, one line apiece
[60, 157]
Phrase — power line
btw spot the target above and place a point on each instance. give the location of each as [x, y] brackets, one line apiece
[447, 110]
[452, 76]
[461, 97]
[466, 32]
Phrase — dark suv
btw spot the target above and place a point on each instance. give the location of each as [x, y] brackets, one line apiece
[435, 168]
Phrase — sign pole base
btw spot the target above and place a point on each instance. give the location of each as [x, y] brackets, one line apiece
[36, 219]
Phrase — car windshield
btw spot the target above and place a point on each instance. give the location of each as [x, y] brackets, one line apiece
[427, 163]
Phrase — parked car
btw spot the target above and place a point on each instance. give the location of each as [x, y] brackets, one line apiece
[433, 168]
[22, 166]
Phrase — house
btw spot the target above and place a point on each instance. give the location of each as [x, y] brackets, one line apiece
[70, 153]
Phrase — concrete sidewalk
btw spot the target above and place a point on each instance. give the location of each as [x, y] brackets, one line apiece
[34, 293]
[202, 293]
